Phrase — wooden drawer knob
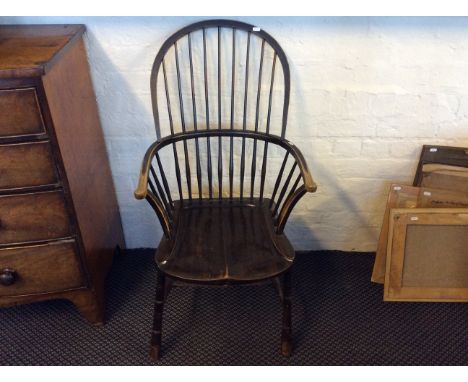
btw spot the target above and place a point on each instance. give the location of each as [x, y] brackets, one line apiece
[7, 277]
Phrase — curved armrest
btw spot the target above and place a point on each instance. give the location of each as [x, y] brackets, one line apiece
[309, 183]
[308, 186]
[142, 187]
[142, 191]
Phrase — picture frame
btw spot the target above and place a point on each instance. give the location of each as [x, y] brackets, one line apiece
[444, 167]
[401, 196]
[427, 255]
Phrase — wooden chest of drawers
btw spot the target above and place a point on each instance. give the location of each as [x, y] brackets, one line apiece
[59, 219]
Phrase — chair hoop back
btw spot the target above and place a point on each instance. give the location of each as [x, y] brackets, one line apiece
[220, 74]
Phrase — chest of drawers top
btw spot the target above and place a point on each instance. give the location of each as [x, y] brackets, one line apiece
[31, 50]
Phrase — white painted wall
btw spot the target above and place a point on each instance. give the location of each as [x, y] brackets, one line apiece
[366, 94]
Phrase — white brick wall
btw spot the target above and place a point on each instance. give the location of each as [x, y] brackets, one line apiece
[366, 94]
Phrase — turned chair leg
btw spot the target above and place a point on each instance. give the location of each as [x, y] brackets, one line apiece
[286, 341]
[155, 352]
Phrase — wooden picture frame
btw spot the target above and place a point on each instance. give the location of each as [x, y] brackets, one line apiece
[444, 167]
[427, 255]
[401, 196]
[445, 177]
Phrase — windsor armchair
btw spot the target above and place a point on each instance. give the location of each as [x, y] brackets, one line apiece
[221, 177]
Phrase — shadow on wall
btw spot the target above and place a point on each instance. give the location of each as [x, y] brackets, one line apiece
[321, 175]
[129, 130]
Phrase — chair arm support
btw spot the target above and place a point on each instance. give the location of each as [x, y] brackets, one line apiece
[287, 208]
[142, 187]
[309, 183]
[161, 212]
[292, 199]
[142, 191]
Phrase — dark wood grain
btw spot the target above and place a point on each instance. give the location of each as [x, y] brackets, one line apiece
[158, 316]
[33, 217]
[226, 240]
[20, 113]
[27, 165]
[31, 50]
[41, 268]
[74, 113]
[286, 332]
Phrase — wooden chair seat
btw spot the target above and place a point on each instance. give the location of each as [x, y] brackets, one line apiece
[225, 241]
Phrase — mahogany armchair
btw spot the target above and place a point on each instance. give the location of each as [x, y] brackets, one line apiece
[221, 183]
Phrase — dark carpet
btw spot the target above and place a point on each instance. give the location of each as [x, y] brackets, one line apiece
[338, 319]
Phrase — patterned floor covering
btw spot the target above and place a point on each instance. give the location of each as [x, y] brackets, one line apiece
[339, 318]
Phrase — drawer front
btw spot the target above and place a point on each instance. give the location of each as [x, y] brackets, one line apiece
[26, 165]
[20, 113]
[33, 217]
[39, 269]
